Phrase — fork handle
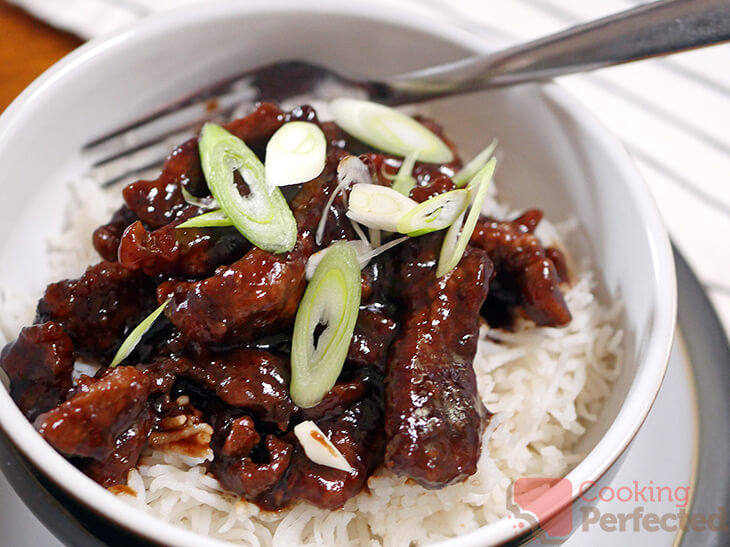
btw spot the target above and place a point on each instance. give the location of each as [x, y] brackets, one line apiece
[646, 31]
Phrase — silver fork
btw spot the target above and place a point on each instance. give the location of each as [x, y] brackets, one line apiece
[650, 30]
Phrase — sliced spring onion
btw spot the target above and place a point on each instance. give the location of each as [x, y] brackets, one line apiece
[213, 219]
[204, 203]
[468, 172]
[319, 448]
[378, 206]
[404, 181]
[263, 216]
[455, 243]
[364, 251]
[350, 170]
[295, 153]
[368, 256]
[389, 130]
[433, 214]
[332, 298]
[361, 248]
[131, 341]
[375, 235]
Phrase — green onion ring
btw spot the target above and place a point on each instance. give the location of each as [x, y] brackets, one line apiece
[332, 298]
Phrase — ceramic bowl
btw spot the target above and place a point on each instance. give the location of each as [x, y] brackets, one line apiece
[556, 157]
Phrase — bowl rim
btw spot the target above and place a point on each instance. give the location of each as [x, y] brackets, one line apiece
[596, 463]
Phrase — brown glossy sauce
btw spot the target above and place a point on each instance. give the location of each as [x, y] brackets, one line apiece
[122, 489]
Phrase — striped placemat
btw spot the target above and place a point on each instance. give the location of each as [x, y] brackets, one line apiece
[673, 114]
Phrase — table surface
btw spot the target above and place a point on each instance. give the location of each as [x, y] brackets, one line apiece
[27, 48]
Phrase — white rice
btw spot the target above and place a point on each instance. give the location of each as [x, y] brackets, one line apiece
[545, 385]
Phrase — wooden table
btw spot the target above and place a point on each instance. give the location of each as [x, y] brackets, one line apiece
[27, 48]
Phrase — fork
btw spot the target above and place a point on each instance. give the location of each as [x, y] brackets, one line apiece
[649, 30]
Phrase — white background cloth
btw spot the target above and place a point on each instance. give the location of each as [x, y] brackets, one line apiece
[673, 114]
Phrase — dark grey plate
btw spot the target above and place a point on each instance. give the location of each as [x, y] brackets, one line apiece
[709, 354]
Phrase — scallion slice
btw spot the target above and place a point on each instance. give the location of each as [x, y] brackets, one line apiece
[433, 214]
[263, 216]
[468, 172]
[361, 248]
[378, 206]
[213, 219]
[203, 203]
[319, 448]
[389, 130]
[332, 298]
[350, 170]
[295, 153]
[404, 181]
[455, 243]
[364, 251]
[131, 341]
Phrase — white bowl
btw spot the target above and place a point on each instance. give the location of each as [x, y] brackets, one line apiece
[557, 157]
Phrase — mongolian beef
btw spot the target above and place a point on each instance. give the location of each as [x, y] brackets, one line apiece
[224, 356]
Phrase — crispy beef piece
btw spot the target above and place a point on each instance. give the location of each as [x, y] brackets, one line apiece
[525, 274]
[374, 333]
[241, 439]
[375, 329]
[39, 365]
[357, 434]
[90, 422]
[251, 379]
[249, 478]
[435, 185]
[342, 396]
[113, 469]
[98, 309]
[160, 201]
[107, 237]
[258, 294]
[192, 252]
[434, 418]
[163, 371]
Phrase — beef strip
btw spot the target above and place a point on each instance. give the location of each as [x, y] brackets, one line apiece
[342, 395]
[90, 422]
[242, 438]
[434, 418]
[435, 185]
[39, 365]
[258, 294]
[525, 274]
[371, 340]
[128, 447]
[107, 237]
[251, 379]
[99, 308]
[190, 252]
